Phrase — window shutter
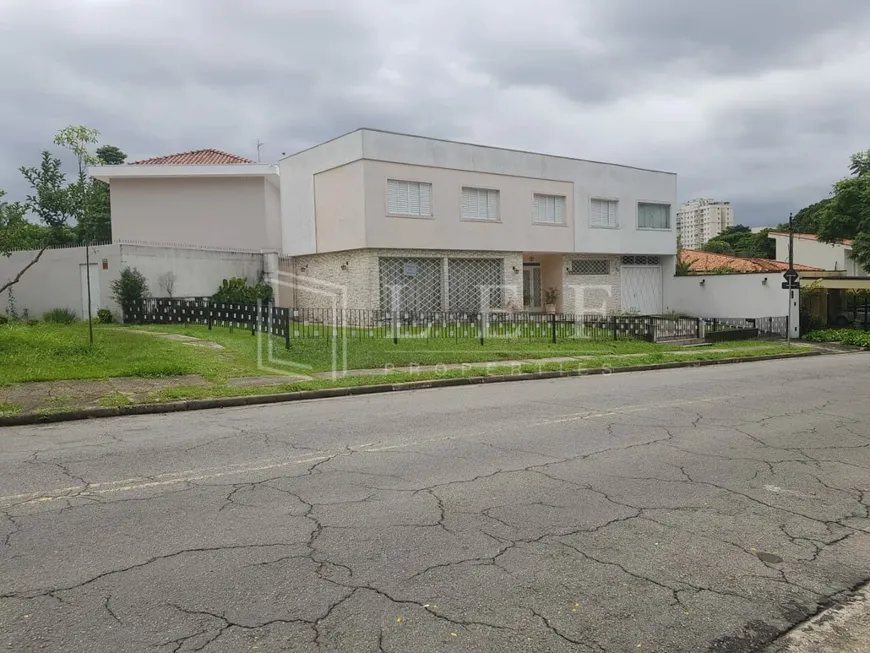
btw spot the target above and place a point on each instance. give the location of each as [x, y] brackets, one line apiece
[559, 210]
[492, 205]
[467, 201]
[425, 198]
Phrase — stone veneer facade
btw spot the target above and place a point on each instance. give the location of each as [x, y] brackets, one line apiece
[351, 279]
[578, 297]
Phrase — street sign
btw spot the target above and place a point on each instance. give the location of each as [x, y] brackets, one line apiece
[791, 275]
[787, 285]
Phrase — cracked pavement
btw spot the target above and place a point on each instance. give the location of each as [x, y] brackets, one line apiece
[703, 509]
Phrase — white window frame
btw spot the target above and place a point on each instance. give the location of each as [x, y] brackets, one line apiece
[612, 203]
[637, 216]
[536, 217]
[412, 186]
[493, 196]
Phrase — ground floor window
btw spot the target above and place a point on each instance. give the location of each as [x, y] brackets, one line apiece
[410, 284]
[474, 284]
[434, 284]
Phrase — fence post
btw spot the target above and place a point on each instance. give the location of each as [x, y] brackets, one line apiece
[210, 307]
[553, 326]
[395, 322]
[613, 326]
[286, 328]
[254, 317]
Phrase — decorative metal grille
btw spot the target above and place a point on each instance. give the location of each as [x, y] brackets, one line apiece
[640, 259]
[410, 284]
[588, 267]
[474, 282]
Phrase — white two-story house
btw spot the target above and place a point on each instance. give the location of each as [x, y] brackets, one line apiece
[393, 221]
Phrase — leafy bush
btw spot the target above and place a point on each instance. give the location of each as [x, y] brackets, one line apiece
[105, 316]
[130, 289]
[32, 322]
[844, 336]
[238, 290]
[60, 316]
[3, 319]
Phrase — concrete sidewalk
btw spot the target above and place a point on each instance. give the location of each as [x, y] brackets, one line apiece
[843, 628]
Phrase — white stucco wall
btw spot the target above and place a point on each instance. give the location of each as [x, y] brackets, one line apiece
[55, 280]
[588, 179]
[299, 234]
[727, 295]
[198, 272]
[812, 253]
[227, 212]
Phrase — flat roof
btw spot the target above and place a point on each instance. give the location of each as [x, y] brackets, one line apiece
[489, 147]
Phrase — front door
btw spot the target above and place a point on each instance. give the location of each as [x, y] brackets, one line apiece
[532, 287]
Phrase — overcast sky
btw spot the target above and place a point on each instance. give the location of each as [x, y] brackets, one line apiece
[759, 102]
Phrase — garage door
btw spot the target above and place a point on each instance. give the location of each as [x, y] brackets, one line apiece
[641, 284]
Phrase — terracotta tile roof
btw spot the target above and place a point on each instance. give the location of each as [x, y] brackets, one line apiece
[700, 262]
[194, 157]
[847, 243]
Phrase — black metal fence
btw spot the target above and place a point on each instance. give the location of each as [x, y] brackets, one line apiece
[720, 329]
[326, 323]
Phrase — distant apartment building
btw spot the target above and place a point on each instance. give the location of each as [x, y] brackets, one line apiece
[699, 220]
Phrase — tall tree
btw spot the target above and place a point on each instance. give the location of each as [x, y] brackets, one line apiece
[49, 199]
[847, 213]
[78, 139]
[97, 225]
[740, 241]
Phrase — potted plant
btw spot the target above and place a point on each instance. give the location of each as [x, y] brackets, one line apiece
[551, 296]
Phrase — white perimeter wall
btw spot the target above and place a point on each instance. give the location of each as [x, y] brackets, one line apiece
[727, 295]
[55, 280]
[198, 272]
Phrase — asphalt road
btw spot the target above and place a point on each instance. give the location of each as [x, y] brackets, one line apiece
[704, 509]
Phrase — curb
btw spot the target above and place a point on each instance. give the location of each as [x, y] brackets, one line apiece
[253, 400]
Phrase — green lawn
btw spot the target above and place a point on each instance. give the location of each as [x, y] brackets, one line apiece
[55, 352]
[179, 393]
[47, 352]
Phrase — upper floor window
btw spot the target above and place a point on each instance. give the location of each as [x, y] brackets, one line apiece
[653, 216]
[604, 214]
[479, 204]
[409, 198]
[549, 209]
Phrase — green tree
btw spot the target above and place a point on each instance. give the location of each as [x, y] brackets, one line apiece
[847, 214]
[97, 226]
[78, 139]
[109, 155]
[49, 200]
[129, 290]
[808, 219]
[718, 246]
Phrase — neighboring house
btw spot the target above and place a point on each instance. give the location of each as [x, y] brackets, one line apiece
[706, 263]
[699, 220]
[810, 251]
[417, 223]
[205, 198]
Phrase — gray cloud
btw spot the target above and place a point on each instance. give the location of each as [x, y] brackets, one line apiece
[757, 102]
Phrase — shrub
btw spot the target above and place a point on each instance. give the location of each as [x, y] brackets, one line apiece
[130, 289]
[238, 290]
[105, 316]
[845, 336]
[32, 322]
[59, 316]
[3, 319]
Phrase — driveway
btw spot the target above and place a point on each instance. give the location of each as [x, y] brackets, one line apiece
[704, 509]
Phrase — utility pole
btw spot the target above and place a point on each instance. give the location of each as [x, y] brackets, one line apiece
[790, 267]
[259, 145]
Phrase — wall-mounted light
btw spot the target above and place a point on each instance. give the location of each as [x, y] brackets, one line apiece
[304, 268]
[344, 266]
[703, 281]
[764, 281]
[516, 270]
